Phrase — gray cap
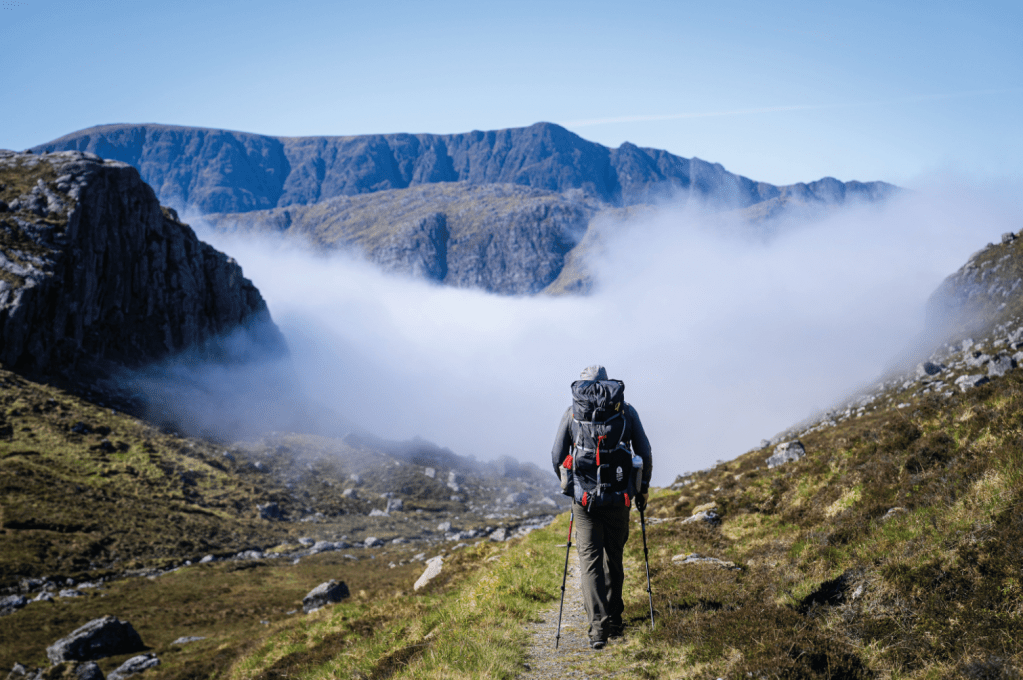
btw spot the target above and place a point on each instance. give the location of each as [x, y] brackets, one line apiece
[594, 372]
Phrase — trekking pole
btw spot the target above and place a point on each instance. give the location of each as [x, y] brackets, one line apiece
[646, 558]
[571, 519]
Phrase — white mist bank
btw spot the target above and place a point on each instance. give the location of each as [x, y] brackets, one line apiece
[722, 336]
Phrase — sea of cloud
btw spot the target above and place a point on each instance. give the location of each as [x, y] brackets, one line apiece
[724, 333]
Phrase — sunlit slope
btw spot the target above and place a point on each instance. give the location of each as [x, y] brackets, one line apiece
[498, 237]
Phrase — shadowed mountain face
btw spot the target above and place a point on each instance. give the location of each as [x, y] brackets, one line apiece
[93, 269]
[222, 171]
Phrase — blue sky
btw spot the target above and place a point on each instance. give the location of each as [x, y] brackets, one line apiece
[780, 92]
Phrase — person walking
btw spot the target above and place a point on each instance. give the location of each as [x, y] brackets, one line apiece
[597, 439]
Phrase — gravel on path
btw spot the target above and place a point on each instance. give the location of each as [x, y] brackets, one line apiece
[573, 658]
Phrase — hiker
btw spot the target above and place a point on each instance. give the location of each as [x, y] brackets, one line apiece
[596, 441]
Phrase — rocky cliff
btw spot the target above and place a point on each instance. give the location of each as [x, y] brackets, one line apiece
[94, 271]
[223, 171]
[984, 292]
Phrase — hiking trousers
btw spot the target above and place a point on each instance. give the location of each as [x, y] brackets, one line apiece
[601, 534]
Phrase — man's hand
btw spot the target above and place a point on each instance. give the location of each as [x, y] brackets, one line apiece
[641, 502]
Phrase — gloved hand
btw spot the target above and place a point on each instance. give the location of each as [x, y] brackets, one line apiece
[641, 502]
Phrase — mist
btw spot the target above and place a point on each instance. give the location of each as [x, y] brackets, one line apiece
[724, 333]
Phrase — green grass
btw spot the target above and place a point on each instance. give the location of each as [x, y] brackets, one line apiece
[468, 623]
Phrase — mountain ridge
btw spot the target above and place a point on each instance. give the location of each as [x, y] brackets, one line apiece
[226, 171]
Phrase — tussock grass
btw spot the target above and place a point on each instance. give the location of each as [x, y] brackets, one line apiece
[833, 584]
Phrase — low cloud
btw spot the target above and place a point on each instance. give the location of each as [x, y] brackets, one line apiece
[724, 333]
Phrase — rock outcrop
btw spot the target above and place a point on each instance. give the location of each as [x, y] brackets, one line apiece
[786, 453]
[982, 293]
[324, 594]
[99, 638]
[134, 666]
[93, 271]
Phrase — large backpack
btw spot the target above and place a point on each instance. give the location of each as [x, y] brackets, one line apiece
[599, 470]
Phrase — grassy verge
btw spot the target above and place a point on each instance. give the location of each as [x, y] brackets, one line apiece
[468, 623]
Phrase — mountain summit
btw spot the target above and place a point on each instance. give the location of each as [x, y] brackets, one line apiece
[508, 211]
[223, 171]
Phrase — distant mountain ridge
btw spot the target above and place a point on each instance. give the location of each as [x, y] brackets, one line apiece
[220, 171]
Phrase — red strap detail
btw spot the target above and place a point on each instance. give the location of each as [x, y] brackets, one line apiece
[627, 503]
[585, 494]
[568, 462]
[599, 439]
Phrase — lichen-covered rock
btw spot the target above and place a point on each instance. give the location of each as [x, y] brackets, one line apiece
[324, 594]
[99, 638]
[94, 272]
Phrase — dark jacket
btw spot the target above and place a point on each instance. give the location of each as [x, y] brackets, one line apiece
[634, 434]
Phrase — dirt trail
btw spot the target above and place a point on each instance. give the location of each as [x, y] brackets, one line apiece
[573, 658]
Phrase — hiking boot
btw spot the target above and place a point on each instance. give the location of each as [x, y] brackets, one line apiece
[616, 630]
[598, 643]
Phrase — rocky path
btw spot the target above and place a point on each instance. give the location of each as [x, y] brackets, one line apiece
[573, 658]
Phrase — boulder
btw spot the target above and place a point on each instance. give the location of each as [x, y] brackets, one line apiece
[433, 569]
[928, 368]
[99, 638]
[786, 453]
[88, 671]
[350, 493]
[395, 505]
[12, 603]
[134, 665]
[499, 534]
[999, 365]
[430, 472]
[324, 594]
[327, 546]
[373, 542]
[186, 639]
[709, 517]
[270, 511]
[444, 526]
[965, 382]
[978, 359]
